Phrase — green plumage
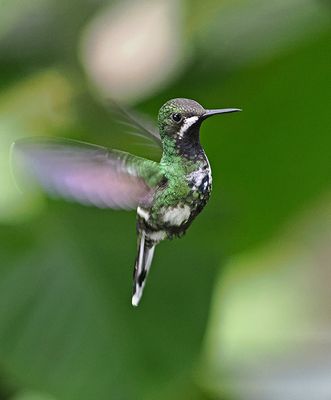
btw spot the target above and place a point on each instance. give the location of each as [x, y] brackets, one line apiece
[167, 195]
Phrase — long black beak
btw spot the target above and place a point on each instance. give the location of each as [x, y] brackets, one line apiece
[209, 113]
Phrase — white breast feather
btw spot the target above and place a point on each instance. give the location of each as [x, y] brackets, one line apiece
[157, 236]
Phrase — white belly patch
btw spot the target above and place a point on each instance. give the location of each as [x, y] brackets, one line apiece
[157, 236]
[177, 215]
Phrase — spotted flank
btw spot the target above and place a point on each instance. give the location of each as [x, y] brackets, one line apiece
[201, 180]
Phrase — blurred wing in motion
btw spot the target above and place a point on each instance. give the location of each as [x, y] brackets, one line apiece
[137, 123]
[87, 173]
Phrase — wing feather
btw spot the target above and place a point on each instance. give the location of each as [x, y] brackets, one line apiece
[87, 173]
[138, 123]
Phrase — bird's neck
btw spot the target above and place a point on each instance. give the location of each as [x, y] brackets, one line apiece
[186, 148]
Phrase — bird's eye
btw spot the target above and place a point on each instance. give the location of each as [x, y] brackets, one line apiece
[177, 117]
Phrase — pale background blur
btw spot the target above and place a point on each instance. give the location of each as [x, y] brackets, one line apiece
[240, 308]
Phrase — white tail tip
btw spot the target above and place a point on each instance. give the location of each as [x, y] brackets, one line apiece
[135, 299]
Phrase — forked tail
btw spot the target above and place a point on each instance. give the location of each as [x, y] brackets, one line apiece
[141, 268]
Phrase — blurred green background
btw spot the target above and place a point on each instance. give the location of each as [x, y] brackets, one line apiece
[240, 307]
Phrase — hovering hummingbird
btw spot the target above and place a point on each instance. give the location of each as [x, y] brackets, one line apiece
[167, 195]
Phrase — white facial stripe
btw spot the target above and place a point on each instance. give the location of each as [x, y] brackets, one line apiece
[187, 123]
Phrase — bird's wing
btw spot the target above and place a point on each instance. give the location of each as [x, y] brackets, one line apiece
[137, 123]
[87, 173]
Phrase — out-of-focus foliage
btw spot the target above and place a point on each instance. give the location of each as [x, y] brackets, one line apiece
[281, 295]
[67, 329]
[32, 396]
[19, 116]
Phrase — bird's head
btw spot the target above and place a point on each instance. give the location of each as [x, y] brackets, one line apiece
[180, 119]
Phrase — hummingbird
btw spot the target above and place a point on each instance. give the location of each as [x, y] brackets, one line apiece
[167, 195]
